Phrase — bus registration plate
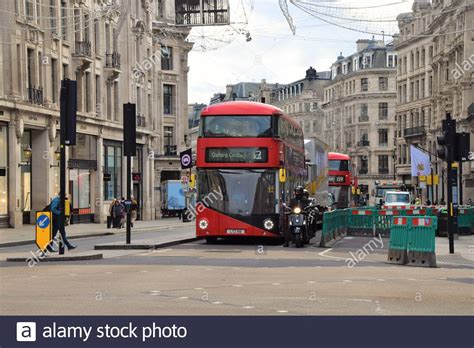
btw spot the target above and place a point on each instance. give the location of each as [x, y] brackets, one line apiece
[235, 231]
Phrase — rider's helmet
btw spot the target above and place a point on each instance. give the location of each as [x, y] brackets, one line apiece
[306, 194]
[299, 190]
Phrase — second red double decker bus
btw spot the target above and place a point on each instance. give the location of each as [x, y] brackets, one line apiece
[339, 178]
[250, 157]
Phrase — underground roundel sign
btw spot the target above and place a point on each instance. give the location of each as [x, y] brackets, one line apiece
[186, 159]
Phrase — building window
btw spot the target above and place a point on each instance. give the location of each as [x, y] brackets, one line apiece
[364, 84]
[166, 58]
[52, 15]
[168, 138]
[112, 170]
[168, 96]
[64, 17]
[383, 83]
[383, 111]
[364, 113]
[383, 164]
[54, 80]
[363, 165]
[383, 137]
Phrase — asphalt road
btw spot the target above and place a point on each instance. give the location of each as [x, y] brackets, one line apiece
[234, 278]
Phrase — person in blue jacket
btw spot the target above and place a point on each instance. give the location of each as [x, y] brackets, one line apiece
[56, 214]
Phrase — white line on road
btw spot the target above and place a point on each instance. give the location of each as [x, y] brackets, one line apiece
[237, 286]
[361, 300]
[183, 298]
[248, 307]
[282, 311]
[216, 302]
[275, 283]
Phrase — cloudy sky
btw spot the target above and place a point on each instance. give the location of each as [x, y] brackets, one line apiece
[223, 56]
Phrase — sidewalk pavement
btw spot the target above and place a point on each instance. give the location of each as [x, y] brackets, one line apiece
[26, 234]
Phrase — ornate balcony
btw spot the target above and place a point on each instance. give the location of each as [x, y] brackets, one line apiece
[171, 150]
[363, 143]
[141, 121]
[414, 131]
[82, 54]
[35, 95]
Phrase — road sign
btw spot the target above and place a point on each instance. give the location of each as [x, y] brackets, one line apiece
[136, 176]
[186, 158]
[43, 229]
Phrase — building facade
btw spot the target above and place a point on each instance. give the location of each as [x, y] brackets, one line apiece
[359, 106]
[435, 76]
[117, 54]
[302, 100]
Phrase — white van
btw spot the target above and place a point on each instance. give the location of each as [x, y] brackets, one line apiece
[396, 198]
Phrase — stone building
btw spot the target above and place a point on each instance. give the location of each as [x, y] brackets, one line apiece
[117, 54]
[302, 100]
[359, 106]
[435, 76]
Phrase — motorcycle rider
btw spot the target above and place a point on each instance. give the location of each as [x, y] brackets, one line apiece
[299, 200]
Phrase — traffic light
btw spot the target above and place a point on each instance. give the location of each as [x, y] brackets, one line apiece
[462, 146]
[129, 129]
[68, 111]
[446, 141]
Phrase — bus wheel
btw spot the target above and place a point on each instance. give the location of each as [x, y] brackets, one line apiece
[211, 240]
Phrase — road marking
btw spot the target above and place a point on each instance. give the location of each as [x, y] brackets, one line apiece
[380, 280]
[197, 288]
[323, 253]
[282, 311]
[72, 274]
[155, 294]
[349, 238]
[217, 302]
[411, 279]
[143, 271]
[275, 283]
[183, 298]
[155, 291]
[248, 307]
[108, 272]
[361, 300]
[237, 286]
[347, 281]
[311, 282]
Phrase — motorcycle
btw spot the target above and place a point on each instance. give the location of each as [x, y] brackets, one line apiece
[299, 224]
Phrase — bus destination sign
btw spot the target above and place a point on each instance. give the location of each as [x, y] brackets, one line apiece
[237, 154]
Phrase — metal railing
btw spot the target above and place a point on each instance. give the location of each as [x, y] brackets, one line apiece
[83, 48]
[171, 150]
[414, 131]
[364, 118]
[363, 143]
[141, 121]
[35, 95]
[112, 60]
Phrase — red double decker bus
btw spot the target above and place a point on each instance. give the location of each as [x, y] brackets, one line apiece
[339, 178]
[250, 157]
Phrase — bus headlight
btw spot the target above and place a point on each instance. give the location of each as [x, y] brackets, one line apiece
[268, 224]
[203, 224]
[297, 210]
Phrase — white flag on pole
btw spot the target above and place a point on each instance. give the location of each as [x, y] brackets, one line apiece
[420, 162]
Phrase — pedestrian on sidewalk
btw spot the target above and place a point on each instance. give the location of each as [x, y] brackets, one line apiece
[56, 215]
[116, 211]
[134, 211]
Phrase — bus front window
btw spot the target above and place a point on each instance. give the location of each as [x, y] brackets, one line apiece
[236, 126]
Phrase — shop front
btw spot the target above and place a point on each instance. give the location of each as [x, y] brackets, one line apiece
[82, 166]
[3, 175]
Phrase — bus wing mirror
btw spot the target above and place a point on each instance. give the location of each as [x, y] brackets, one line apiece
[282, 175]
